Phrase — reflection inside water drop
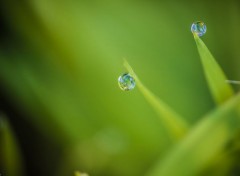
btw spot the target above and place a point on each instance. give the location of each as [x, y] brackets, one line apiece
[199, 28]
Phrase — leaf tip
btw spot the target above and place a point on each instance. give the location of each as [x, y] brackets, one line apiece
[196, 37]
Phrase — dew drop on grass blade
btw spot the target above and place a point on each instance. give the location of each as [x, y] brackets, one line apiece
[175, 124]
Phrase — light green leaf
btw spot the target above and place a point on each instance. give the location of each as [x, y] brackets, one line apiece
[10, 160]
[205, 141]
[216, 78]
[77, 173]
[175, 124]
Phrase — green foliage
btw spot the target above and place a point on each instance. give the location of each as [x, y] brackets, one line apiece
[59, 63]
[198, 149]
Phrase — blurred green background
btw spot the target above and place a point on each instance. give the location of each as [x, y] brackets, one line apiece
[59, 64]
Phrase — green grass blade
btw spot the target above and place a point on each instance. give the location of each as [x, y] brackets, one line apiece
[10, 160]
[175, 124]
[205, 141]
[216, 78]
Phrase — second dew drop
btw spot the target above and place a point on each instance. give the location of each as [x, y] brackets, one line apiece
[199, 28]
[126, 82]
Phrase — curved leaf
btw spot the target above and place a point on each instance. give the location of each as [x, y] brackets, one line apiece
[10, 160]
[204, 142]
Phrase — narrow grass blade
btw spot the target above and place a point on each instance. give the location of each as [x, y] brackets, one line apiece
[175, 124]
[208, 139]
[232, 82]
[216, 78]
[10, 160]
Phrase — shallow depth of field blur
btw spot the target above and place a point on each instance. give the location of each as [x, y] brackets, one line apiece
[61, 107]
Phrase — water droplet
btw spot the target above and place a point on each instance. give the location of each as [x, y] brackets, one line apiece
[199, 28]
[126, 82]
